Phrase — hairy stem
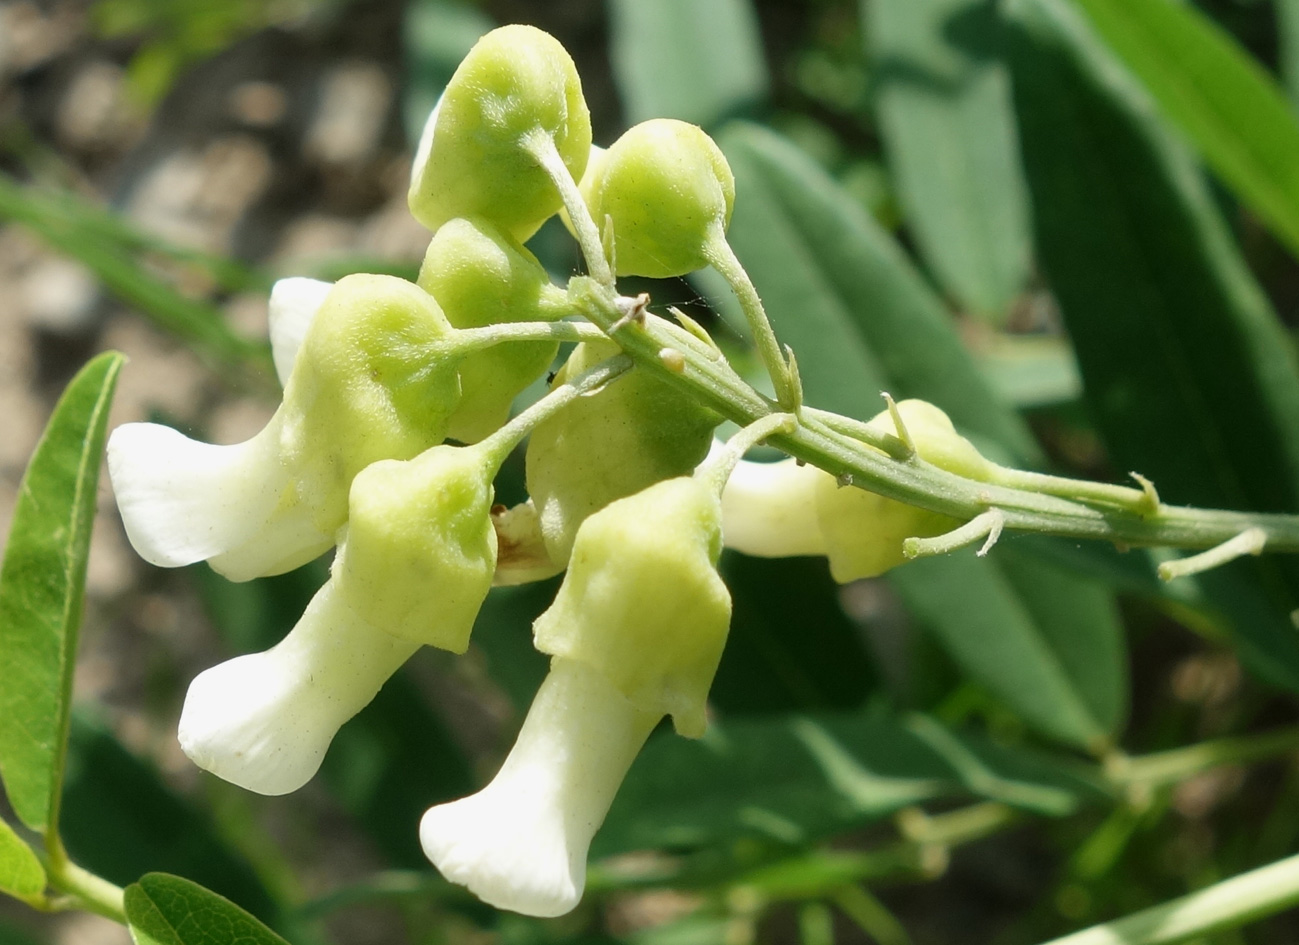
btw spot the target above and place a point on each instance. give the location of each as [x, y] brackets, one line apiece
[83, 889]
[914, 481]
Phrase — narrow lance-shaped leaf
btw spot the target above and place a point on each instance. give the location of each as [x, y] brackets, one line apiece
[944, 110]
[162, 909]
[1215, 92]
[862, 320]
[696, 60]
[42, 584]
[1187, 371]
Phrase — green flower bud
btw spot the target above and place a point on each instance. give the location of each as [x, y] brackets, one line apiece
[669, 190]
[642, 602]
[863, 531]
[608, 445]
[517, 82]
[367, 385]
[420, 549]
[480, 276]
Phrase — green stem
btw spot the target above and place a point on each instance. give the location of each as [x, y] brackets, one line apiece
[1226, 905]
[84, 889]
[468, 340]
[1178, 764]
[542, 148]
[718, 468]
[914, 481]
[722, 258]
[501, 443]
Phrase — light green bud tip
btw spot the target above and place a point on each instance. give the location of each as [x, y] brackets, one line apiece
[610, 444]
[420, 549]
[367, 385]
[863, 531]
[516, 82]
[669, 191]
[642, 603]
[480, 276]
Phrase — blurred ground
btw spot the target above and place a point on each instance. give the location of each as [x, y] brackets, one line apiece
[286, 151]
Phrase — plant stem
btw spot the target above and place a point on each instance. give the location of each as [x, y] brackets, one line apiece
[84, 889]
[915, 481]
[469, 340]
[1178, 764]
[1226, 905]
[503, 441]
[723, 259]
[542, 148]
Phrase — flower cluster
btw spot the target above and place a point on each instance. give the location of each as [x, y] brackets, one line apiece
[393, 426]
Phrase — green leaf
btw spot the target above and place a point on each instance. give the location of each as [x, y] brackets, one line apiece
[696, 60]
[162, 909]
[120, 820]
[861, 320]
[21, 873]
[1047, 643]
[1187, 371]
[795, 779]
[91, 238]
[944, 113]
[1287, 29]
[1031, 370]
[1224, 101]
[841, 292]
[790, 644]
[42, 585]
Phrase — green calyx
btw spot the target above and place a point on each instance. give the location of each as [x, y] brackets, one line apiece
[420, 550]
[642, 602]
[517, 83]
[481, 276]
[369, 383]
[864, 531]
[668, 190]
[608, 445]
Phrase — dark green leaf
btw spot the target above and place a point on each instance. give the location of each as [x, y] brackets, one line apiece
[42, 585]
[1287, 28]
[1216, 93]
[790, 645]
[166, 910]
[795, 779]
[120, 820]
[21, 873]
[1045, 642]
[841, 292]
[860, 320]
[1187, 371]
[1031, 370]
[944, 112]
[696, 60]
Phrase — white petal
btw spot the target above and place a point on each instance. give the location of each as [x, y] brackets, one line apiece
[184, 501]
[769, 510]
[264, 721]
[289, 540]
[520, 843]
[293, 306]
[423, 151]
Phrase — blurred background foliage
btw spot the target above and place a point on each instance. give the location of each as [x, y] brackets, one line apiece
[1072, 224]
